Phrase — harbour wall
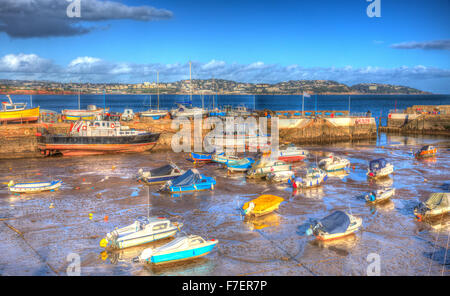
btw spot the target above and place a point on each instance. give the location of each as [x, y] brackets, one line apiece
[418, 123]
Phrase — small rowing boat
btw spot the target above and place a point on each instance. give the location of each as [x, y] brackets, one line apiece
[379, 168]
[426, 151]
[32, 187]
[292, 154]
[182, 248]
[436, 205]
[262, 205]
[197, 156]
[192, 180]
[334, 226]
[334, 163]
[144, 230]
[161, 174]
[379, 196]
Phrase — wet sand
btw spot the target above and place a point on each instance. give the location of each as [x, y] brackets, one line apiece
[270, 245]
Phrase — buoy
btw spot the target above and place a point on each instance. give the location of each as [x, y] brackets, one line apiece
[51, 206]
[90, 216]
[77, 188]
[84, 180]
[99, 195]
[106, 218]
[113, 167]
[103, 243]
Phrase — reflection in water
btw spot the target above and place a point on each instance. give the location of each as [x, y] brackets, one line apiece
[311, 193]
[342, 246]
[199, 266]
[256, 223]
[384, 181]
[339, 174]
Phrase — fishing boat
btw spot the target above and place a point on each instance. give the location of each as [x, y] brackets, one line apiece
[144, 230]
[161, 174]
[292, 154]
[281, 176]
[17, 112]
[200, 157]
[32, 187]
[181, 248]
[189, 112]
[379, 168]
[154, 114]
[92, 113]
[263, 167]
[436, 205]
[334, 163]
[262, 205]
[192, 180]
[97, 137]
[426, 151]
[240, 165]
[379, 196]
[334, 226]
[222, 158]
[314, 177]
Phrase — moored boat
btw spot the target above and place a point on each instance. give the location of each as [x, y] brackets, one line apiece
[200, 157]
[240, 165]
[263, 167]
[144, 230]
[91, 113]
[17, 112]
[154, 114]
[379, 196]
[181, 248]
[314, 177]
[292, 154]
[161, 174]
[223, 158]
[262, 205]
[379, 168]
[280, 176]
[189, 112]
[32, 187]
[336, 225]
[436, 205]
[97, 137]
[426, 151]
[334, 163]
[191, 180]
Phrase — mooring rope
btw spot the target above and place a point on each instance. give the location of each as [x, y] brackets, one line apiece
[434, 247]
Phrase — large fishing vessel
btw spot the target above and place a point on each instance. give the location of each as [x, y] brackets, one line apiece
[17, 112]
[97, 137]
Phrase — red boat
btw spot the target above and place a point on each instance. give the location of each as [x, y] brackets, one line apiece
[97, 137]
[292, 154]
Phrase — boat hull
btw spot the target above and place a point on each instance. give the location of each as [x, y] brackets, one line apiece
[122, 244]
[182, 255]
[78, 145]
[39, 187]
[156, 180]
[20, 116]
[292, 158]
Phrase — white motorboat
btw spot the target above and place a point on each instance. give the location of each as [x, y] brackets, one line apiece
[334, 163]
[379, 168]
[380, 195]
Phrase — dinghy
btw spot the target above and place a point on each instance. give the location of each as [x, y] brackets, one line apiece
[223, 158]
[426, 151]
[281, 176]
[335, 225]
[379, 196]
[292, 154]
[263, 167]
[200, 157]
[32, 187]
[334, 163]
[437, 204]
[192, 180]
[144, 230]
[161, 174]
[314, 177]
[379, 168]
[182, 248]
[240, 165]
[262, 205]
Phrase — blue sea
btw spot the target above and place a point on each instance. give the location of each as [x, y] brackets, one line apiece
[379, 105]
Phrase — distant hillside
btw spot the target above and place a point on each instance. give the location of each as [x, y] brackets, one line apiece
[204, 86]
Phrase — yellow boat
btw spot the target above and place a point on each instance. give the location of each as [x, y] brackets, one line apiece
[16, 112]
[262, 205]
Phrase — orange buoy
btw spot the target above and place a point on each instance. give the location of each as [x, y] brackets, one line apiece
[106, 218]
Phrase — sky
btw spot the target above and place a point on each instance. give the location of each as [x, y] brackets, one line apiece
[248, 41]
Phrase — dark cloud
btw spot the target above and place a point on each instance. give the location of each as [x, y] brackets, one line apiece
[44, 18]
[427, 45]
[91, 69]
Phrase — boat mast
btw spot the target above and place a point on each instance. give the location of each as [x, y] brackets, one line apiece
[157, 86]
[190, 80]
[79, 107]
[31, 101]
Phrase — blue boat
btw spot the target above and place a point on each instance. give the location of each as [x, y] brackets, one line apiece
[194, 156]
[240, 165]
[182, 248]
[161, 174]
[192, 180]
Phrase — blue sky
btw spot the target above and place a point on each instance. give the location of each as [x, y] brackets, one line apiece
[256, 41]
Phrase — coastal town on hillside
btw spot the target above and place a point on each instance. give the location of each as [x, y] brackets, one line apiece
[203, 87]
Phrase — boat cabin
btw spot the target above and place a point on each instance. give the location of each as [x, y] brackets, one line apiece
[102, 128]
[155, 224]
[10, 106]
